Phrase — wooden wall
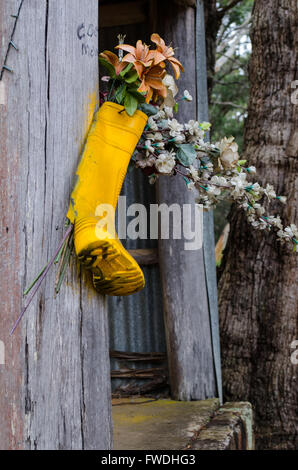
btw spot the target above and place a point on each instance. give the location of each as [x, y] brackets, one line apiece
[55, 385]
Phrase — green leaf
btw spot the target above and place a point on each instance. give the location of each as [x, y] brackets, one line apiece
[120, 93]
[109, 67]
[186, 154]
[126, 70]
[138, 96]
[241, 162]
[130, 104]
[132, 77]
[205, 126]
[148, 109]
[176, 107]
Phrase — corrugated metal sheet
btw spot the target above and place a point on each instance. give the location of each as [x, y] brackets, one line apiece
[136, 321]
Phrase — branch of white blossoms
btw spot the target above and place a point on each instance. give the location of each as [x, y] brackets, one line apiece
[214, 171]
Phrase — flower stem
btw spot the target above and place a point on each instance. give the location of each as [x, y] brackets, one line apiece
[65, 261]
[35, 280]
[41, 278]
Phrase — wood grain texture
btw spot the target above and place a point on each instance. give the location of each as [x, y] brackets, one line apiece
[145, 257]
[56, 382]
[11, 435]
[187, 320]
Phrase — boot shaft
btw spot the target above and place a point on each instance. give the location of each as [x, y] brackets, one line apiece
[111, 141]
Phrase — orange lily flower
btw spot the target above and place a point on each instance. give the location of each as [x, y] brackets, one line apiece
[152, 81]
[140, 55]
[113, 59]
[167, 53]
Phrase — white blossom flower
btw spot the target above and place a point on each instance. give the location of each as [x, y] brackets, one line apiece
[159, 145]
[275, 221]
[228, 152]
[291, 231]
[169, 113]
[172, 91]
[148, 146]
[165, 162]
[193, 173]
[228, 180]
[175, 127]
[143, 161]
[152, 124]
[187, 96]
[170, 83]
[193, 127]
[256, 188]
[158, 137]
[269, 191]
[150, 136]
[219, 180]
[281, 234]
[214, 190]
[252, 169]
[179, 138]
[239, 182]
[259, 209]
[159, 115]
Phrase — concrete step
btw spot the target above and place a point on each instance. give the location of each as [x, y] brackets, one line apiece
[147, 424]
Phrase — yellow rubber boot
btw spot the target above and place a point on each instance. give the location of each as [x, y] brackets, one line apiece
[110, 143]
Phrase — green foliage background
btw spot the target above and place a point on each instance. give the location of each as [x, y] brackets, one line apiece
[230, 94]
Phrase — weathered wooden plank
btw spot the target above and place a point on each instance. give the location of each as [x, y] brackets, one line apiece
[189, 341]
[146, 256]
[11, 433]
[57, 378]
[209, 243]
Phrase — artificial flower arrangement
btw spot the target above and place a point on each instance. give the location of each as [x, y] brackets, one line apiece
[136, 123]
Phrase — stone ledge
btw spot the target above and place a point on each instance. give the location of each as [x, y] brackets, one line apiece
[229, 429]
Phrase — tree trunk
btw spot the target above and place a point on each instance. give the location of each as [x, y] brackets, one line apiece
[55, 384]
[258, 296]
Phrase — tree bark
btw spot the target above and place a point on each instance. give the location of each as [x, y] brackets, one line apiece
[257, 293]
[55, 384]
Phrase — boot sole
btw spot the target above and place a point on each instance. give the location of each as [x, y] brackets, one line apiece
[115, 272]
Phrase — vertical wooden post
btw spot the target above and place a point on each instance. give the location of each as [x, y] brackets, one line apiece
[55, 385]
[189, 339]
[208, 222]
